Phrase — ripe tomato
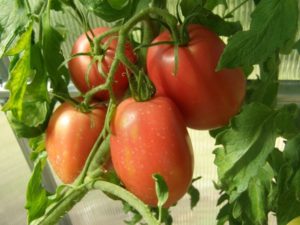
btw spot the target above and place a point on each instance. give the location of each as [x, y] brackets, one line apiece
[70, 136]
[206, 98]
[80, 65]
[147, 138]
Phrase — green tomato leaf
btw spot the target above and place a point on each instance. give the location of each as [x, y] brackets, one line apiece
[36, 195]
[246, 147]
[291, 151]
[23, 127]
[211, 4]
[36, 108]
[203, 16]
[257, 195]
[195, 196]
[118, 4]
[13, 18]
[53, 57]
[110, 10]
[188, 6]
[289, 192]
[166, 217]
[252, 206]
[18, 77]
[194, 193]
[297, 46]
[37, 145]
[254, 46]
[287, 121]
[264, 89]
[135, 215]
[161, 190]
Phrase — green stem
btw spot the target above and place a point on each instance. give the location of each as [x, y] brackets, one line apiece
[60, 208]
[99, 148]
[235, 8]
[168, 18]
[27, 4]
[97, 40]
[106, 86]
[128, 197]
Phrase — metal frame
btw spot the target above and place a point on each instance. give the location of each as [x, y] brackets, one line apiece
[48, 179]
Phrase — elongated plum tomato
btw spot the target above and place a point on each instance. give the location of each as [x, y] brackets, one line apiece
[147, 138]
[82, 65]
[206, 98]
[70, 136]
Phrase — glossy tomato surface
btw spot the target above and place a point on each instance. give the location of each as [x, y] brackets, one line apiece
[70, 136]
[206, 98]
[147, 138]
[80, 66]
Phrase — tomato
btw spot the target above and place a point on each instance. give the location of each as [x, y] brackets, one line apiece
[80, 65]
[147, 138]
[206, 98]
[70, 136]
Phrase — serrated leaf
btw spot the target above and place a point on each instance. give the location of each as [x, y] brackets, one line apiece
[258, 201]
[247, 145]
[107, 12]
[288, 204]
[36, 196]
[23, 127]
[251, 47]
[37, 144]
[18, 78]
[35, 106]
[53, 57]
[207, 18]
[13, 18]
[264, 89]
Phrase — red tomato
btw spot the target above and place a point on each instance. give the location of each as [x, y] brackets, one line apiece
[147, 138]
[206, 98]
[70, 136]
[79, 66]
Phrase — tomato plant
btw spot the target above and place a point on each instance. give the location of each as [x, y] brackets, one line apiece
[207, 98]
[151, 138]
[180, 52]
[89, 71]
[70, 137]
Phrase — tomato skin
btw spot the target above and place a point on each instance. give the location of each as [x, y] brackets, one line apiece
[70, 136]
[206, 98]
[151, 137]
[79, 66]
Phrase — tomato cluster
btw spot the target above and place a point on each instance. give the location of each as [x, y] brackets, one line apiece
[147, 137]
